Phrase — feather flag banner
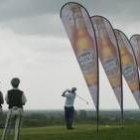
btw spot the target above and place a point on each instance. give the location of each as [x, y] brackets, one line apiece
[135, 42]
[129, 64]
[80, 31]
[109, 54]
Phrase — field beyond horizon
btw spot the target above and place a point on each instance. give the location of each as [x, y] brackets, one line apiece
[81, 132]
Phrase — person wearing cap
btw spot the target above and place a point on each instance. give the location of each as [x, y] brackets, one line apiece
[69, 106]
[15, 99]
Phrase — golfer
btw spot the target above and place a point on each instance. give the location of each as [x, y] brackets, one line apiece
[69, 106]
[15, 98]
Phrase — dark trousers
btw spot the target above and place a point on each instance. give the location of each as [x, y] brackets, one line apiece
[69, 116]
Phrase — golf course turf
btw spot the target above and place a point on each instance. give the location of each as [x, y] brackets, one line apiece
[81, 132]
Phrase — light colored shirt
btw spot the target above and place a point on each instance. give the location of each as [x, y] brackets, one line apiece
[70, 97]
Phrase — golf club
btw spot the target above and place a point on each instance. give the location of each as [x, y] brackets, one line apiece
[83, 99]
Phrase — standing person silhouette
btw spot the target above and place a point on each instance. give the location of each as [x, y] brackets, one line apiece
[69, 106]
[15, 98]
[1, 102]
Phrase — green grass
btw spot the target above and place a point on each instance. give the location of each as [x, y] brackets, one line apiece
[81, 132]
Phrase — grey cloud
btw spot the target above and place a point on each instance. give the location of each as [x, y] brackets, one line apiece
[11, 9]
[40, 25]
[41, 17]
[122, 10]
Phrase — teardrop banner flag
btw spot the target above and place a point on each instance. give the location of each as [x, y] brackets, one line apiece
[135, 42]
[129, 64]
[80, 31]
[109, 55]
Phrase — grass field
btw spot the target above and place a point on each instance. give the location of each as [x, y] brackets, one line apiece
[81, 132]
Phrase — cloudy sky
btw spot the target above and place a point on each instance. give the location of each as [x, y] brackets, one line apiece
[34, 47]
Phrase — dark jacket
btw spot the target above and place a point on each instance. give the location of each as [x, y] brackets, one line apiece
[15, 98]
[1, 99]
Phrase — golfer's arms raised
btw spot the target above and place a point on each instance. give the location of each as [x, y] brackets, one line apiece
[64, 93]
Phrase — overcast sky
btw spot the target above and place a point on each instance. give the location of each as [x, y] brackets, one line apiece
[34, 47]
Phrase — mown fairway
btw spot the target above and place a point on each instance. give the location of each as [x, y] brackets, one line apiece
[81, 132]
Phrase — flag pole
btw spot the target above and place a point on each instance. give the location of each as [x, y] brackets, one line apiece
[98, 86]
[97, 113]
[121, 105]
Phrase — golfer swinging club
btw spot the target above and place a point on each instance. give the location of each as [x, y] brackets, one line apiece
[15, 98]
[69, 106]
